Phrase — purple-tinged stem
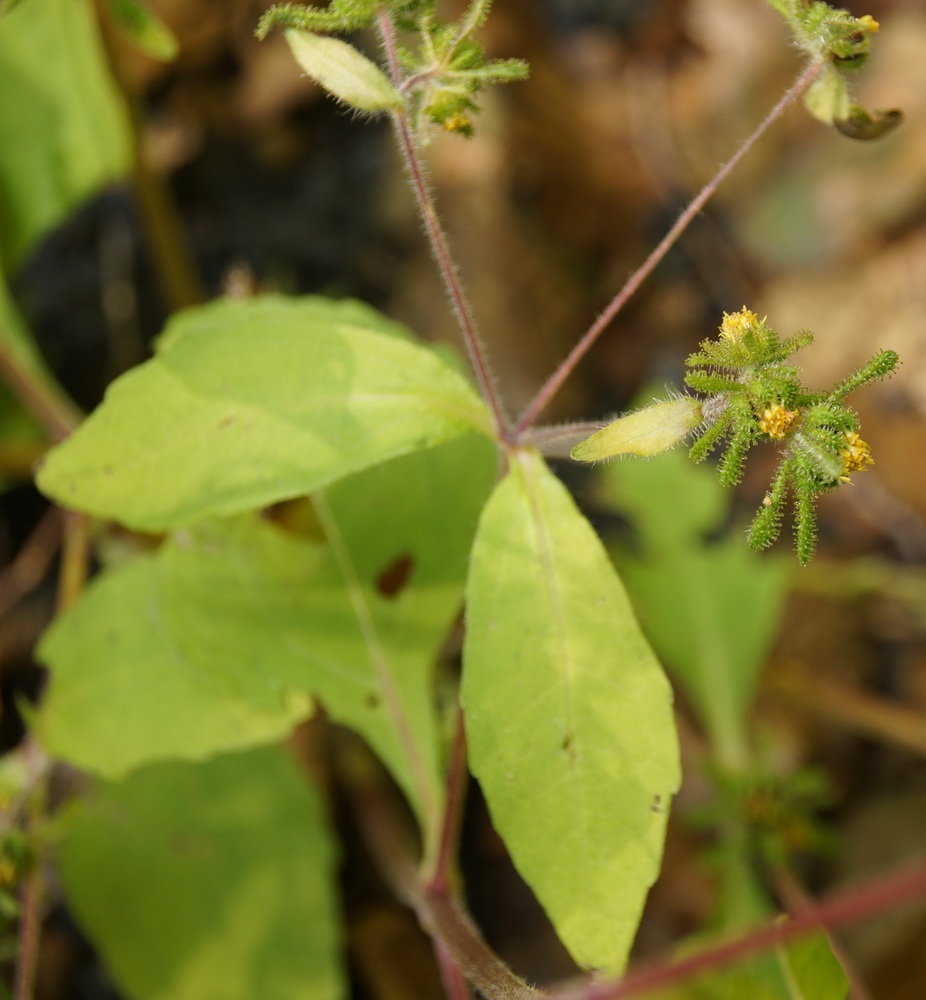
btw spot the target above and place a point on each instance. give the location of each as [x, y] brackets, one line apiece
[457, 775]
[847, 907]
[440, 247]
[556, 380]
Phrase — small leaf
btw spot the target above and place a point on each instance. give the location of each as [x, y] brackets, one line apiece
[208, 881]
[649, 431]
[122, 695]
[343, 71]
[144, 28]
[249, 403]
[568, 714]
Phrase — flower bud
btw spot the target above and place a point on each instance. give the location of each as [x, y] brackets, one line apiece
[650, 431]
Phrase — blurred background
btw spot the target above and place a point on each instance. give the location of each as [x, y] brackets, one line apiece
[261, 183]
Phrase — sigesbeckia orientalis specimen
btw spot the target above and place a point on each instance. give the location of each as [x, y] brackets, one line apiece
[752, 393]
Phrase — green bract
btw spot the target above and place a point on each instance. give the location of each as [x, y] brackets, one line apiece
[649, 431]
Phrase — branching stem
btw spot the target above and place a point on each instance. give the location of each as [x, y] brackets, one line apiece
[556, 380]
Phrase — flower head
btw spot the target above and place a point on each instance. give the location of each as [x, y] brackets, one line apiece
[734, 325]
[855, 455]
[776, 421]
[869, 24]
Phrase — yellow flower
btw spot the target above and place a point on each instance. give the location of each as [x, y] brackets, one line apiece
[734, 325]
[776, 420]
[869, 24]
[856, 455]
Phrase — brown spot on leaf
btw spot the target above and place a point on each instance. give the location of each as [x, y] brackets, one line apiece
[394, 578]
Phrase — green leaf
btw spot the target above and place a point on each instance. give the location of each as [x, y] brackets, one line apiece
[568, 714]
[812, 970]
[343, 71]
[63, 129]
[144, 28]
[122, 695]
[357, 621]
[249, 403]
[710, 607]
[208, 881]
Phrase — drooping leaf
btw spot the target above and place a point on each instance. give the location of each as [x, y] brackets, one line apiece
[568, 714]
[359, 620]
[122, 694]
[208, 881]
[249, 403]
[63, 130]
[710, 606]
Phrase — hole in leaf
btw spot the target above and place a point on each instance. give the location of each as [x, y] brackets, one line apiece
[394, 578]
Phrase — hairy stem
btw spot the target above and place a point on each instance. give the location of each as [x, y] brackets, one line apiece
[557, 440]
[455, 985]
[440, 247]
[556, 380]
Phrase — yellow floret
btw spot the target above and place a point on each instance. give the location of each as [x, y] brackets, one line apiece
[734, 325]
[856, 456]
[776, 421]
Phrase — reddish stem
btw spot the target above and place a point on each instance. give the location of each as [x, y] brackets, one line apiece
[440, 246]
[556, 380]
[41, 397]
[457, 776]
[844, 908]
